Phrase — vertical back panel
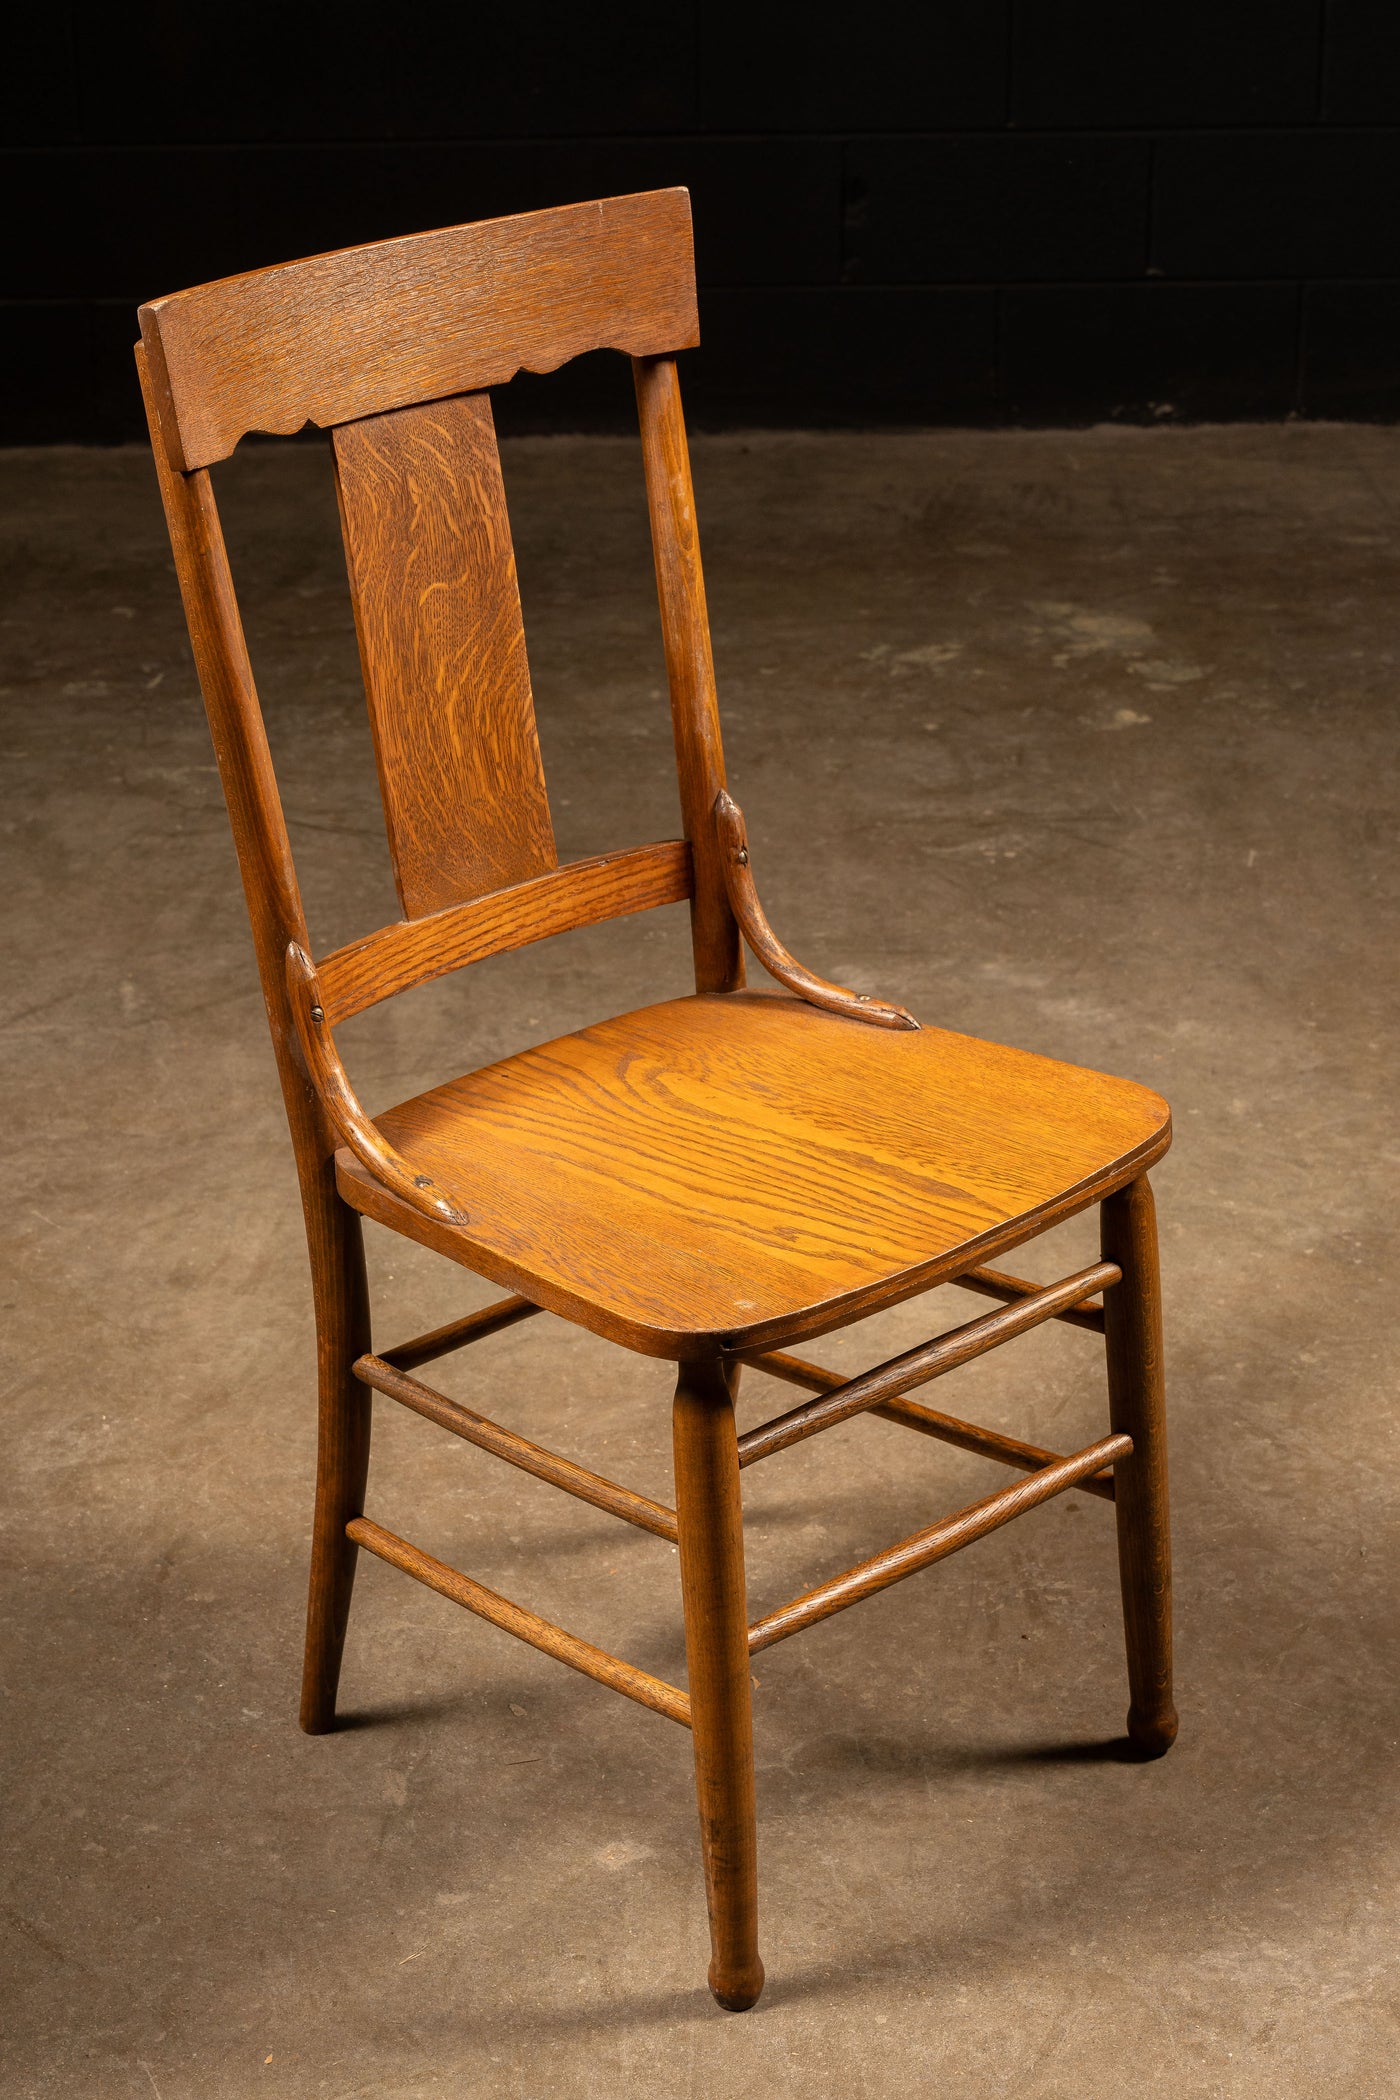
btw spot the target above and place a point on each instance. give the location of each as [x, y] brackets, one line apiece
[442, 644]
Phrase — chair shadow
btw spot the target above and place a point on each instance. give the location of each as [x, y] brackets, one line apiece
[1111, 1750]
[443, 1707]
[1106, 1750]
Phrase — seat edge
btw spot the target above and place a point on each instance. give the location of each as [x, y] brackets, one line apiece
[686, 1345]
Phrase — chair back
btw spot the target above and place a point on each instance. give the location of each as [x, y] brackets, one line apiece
[393, 348]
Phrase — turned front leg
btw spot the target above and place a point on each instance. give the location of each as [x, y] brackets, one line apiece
[1137, 1407]
[711, 1544]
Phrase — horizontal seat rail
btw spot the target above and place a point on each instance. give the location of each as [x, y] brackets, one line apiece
[995, 1283]
[582, 893]
[527, 1626]
[917, 1366]
[477, 1429]
[910, 1414]
[935, 1542]
[473, 1327]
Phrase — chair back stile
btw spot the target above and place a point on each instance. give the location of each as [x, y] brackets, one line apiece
[690, 671]
[259, 826]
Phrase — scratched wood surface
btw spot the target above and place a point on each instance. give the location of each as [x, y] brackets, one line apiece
[442, 647]
[350, 334]
[737, 1169]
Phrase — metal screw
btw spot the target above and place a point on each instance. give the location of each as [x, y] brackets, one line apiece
[318, 1015]
[743, 856]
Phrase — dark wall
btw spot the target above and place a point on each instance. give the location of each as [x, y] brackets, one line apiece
[911, 211]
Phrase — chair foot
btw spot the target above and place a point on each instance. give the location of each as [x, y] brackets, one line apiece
[737, 1992]
[317, 1714]
[1152, 1736]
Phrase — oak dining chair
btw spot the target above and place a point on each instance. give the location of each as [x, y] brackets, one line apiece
[714, 1180]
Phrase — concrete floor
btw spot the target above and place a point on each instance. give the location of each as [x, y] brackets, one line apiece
[1085, 742]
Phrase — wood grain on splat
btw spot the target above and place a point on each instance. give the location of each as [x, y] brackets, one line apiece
[442, 645]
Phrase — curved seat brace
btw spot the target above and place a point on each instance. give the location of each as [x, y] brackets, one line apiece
[341, 1104]
[743, 901]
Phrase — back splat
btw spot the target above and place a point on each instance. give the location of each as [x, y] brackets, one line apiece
[442, 645]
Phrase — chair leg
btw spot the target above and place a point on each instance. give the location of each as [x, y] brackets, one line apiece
[1137, 1406]
[342, 1452]
[711, 1544]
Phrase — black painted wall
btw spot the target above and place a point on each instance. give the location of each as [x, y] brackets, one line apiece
[907, 211]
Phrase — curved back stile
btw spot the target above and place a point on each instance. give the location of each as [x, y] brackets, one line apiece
[392, 347]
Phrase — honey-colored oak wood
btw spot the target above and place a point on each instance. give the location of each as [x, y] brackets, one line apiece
[917, 1366]
[690, 669]
[934, 1543]
[341, 1296]
[611, 1670]
[458, 1334]
[912, 1414]
[341, 1104]
[1137, 1408]
[709, 1179]
[775, 958]
[490, 1436]
[442, 647]
[995, 1283]
[717, 1662]
[333, 1233]
[584, 893]
[740, 1172]
[353, 333]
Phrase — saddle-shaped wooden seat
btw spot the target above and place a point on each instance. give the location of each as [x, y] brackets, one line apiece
[702, 1180]
[742, 1171]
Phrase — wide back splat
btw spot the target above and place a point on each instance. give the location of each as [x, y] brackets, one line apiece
[442, 644]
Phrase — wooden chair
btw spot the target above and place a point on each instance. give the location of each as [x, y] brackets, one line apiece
[710, 1180]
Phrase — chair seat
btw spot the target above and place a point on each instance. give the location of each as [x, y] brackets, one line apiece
[739, 1170]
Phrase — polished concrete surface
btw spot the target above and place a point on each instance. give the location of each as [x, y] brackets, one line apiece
[1080, 741]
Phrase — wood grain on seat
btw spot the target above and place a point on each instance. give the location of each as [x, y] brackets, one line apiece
[737, 1170]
